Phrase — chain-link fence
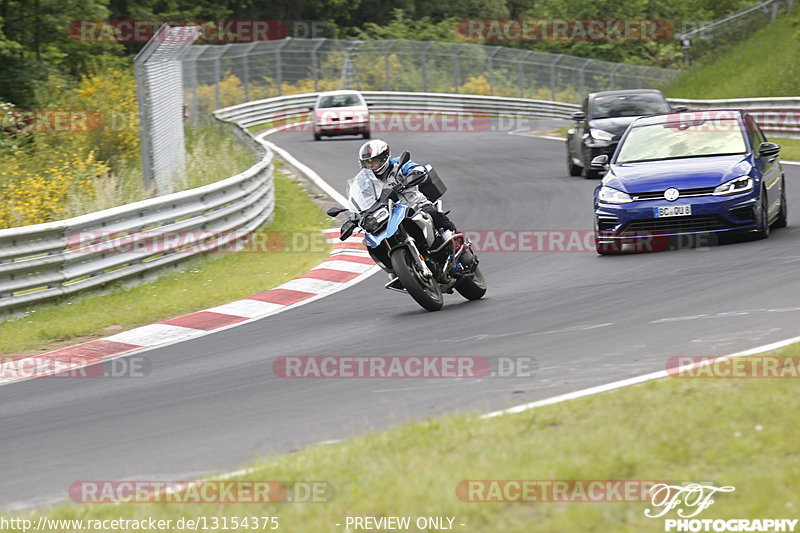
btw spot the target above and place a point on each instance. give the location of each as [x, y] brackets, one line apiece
[159, 88]
[707, 37]
[219, 76]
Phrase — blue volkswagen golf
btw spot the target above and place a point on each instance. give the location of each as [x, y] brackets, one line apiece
[688, 173]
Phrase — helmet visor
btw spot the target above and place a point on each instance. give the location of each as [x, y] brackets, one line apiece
[375, 163]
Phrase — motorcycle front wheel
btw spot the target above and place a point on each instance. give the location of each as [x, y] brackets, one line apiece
[474, 287]
[426, 292]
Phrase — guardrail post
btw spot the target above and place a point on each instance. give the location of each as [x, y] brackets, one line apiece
[315, 64]
[456, 74]
[612, 78]
[425, 66]
[490, 68]
[387, 55]
[553, 76]
[581, 77]
[195, 110]
[217, 98]
[246, 70]
[521, 73]
[279, 65]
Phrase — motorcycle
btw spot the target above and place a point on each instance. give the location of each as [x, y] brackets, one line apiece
[404, 241]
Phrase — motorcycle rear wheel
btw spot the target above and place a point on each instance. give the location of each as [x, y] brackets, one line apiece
[425, 292]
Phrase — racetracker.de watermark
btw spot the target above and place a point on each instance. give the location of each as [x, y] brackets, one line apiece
[74, 366]
[571, 241]
[726, 367]
[51, 121]
[210, 31]
[551, 491]
[199, 241]
[409, 121]
[204, 492]
[565, 30]
[403, 367]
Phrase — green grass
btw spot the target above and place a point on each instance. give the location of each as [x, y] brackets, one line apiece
[728, 432]
[790, 148]
[765, 64]
[212, 280]
[213, 153]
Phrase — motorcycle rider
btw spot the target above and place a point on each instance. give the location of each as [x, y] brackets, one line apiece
[375, 155]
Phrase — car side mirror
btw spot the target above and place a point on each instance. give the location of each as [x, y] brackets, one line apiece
[334, 211]
[600, 161]
[579, 116]
[311, 108]
[370, 104]
[680, 109]
[768, 149]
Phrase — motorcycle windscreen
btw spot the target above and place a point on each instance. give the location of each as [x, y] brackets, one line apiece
[363, 190]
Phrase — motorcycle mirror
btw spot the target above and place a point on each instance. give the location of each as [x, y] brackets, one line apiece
[404, 158]
[334, 211]
[347, 230]
[416, 180]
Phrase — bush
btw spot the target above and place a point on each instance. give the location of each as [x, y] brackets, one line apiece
[38, 188]
[231, 92]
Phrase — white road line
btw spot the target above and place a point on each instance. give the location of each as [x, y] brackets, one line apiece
[313, 176]
[626, 382]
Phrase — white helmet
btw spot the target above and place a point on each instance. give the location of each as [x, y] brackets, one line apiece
[374, 155]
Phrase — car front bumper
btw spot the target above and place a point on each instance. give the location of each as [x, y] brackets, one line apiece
[344, 128]
[620, 223]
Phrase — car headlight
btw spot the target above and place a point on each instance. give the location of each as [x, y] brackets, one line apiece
[601, 135]
[735, 186]
[607, 195]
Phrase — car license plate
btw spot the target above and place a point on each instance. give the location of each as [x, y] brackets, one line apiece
[672, 211]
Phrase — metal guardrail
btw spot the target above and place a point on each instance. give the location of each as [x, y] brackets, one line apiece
[776, 116]
[288, 107]
[45, 261]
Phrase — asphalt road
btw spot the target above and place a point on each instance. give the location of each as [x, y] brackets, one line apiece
[213, 403]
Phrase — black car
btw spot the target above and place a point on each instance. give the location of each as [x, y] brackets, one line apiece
[603, 119]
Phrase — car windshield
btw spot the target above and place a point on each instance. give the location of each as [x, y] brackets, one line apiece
[676, 139]
[339, 100]
[363, 190]
[628, 105]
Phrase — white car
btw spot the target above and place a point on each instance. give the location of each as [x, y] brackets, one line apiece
[340, 113]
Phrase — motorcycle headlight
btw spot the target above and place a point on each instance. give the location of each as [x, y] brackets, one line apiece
[373, 222]
[735, 186]
[601, 135]
[607, 195]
